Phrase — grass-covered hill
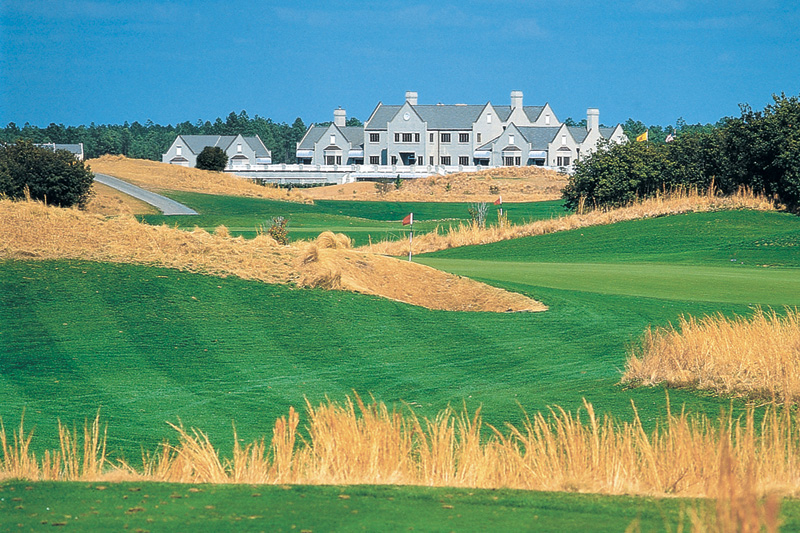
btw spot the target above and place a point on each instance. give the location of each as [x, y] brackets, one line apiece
[147, 345]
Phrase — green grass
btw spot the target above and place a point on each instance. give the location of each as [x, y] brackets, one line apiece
[362, 221]
[159, 507]
[147, 345]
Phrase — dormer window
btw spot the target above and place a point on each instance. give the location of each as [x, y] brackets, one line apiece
[547, 120]
[489, 118]
[563, 140]
[239, 148]
[511, 139]
[333, 139]
[179, 150]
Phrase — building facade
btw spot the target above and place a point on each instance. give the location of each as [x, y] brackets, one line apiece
[243, 153]
[333, 145]
[439, 137]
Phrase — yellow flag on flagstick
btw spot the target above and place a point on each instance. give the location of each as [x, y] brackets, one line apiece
[642, 137]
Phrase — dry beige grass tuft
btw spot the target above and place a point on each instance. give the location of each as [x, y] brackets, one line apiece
[514, 184]
[743, 356]
[156, 176]
[34, 231]
[472, 234]
[733, 460]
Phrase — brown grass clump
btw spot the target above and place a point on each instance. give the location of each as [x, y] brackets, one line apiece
[742, 356]
[331, 264]
[156, 176]
[34, 231]
[733, 460]
[514, 184]
[672, 204]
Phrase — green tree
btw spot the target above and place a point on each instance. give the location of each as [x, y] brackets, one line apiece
[212, 158]
[616, 175]
[761, 150]
[55, 177]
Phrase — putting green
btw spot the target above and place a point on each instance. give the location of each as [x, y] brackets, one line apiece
[729, 284]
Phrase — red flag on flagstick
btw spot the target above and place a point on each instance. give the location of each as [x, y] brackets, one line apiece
[409, 219]
[499, 201]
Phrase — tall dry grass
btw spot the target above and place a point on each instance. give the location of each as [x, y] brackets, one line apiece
[358, 443]
[759, 355]
[681, 201]
[157, 176]
[32, 230]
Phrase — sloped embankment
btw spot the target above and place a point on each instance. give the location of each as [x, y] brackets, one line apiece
[34, 231]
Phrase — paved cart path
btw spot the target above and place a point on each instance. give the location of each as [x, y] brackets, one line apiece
[166, 205]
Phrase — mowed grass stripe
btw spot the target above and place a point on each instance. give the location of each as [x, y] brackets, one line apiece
[271, 347]
[729, 284]
[332, 508]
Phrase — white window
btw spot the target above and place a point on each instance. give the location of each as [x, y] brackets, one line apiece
[463, 160]
[547, 120]
[510, 139]
[431, 137]
[463, 137]
[333, 139]
[374, 160]
[445, 137]
[407, 137]
[563, 140]
[478, 137]
[489, 118]
[374, 137]
[445, 160]
[179, 150]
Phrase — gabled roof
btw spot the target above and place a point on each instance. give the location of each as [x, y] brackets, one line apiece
[449, 117]
[312, 136]
[196, 143]
[353, 134]
[381, 116]
[533, 112]
[503, 112]
[578, 133]
[607, 132]
[539, 136]
[257, 146]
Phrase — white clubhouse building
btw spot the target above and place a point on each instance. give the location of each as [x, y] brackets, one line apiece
[411, 140]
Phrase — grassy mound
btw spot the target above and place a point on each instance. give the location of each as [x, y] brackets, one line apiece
[35, 230]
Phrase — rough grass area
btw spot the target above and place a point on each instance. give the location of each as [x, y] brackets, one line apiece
[33, 230]
[356, 443]
[673, 203]
[757, 356]
[513, 184]
[164, 506]
[363, 222]
[156, 176]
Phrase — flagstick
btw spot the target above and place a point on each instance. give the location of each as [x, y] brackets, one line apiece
[410, 239]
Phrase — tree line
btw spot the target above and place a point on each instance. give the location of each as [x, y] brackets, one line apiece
[150, 141]
[759, 150]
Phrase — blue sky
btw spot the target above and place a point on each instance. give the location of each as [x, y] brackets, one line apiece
[81, 61]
